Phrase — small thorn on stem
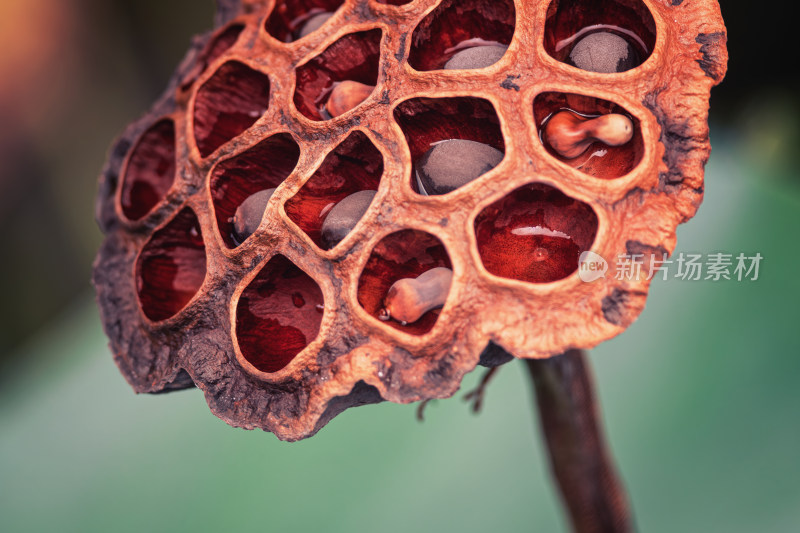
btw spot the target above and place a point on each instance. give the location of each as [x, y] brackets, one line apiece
[421, 409]
[477, 394]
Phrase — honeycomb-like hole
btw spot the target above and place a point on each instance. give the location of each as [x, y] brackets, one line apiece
[354, 57]
[404, 254]
[278, 315]
[261, 167]
[599, 160]
[459, 24]
[289, 16]
[355, 165]
[428, 121]
[171, 267]
[535, 234]
[227, 104]
[150, 170]
[568, 21]
[217, 46]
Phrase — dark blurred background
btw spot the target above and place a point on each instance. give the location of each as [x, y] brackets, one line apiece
[704, 421]
[73, 73]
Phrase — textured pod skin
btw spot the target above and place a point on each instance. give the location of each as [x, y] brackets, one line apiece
[355, 358]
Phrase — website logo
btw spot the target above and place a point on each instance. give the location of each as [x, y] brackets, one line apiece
[591, 267]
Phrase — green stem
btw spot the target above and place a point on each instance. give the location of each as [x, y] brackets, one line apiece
[590, 488]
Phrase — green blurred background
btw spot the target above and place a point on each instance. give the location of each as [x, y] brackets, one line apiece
[700, 396]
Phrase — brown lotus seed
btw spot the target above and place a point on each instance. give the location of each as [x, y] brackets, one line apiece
[344, 216]
[476, 57]
[347, 95]
[248, 216]
[452, 163]
[314, 23]
[570, 134]
[604, 52]
[409, 299]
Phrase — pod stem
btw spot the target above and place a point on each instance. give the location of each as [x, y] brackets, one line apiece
[579, 458]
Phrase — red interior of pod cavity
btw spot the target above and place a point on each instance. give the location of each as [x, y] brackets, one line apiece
[355, 165]
[289, 16]
[278, 315]
[599, 160]
[233, 180]
[427, 121]
[150, 170]
[458, 24]
[354, 57]
[405, 254]
[217, 46]
[535, 234]
[171, 267]
[227, 104]
[569, 20]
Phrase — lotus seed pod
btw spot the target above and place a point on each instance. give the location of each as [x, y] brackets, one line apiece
[282, 332]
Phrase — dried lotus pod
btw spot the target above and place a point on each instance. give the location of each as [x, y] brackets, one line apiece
[283, 334]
